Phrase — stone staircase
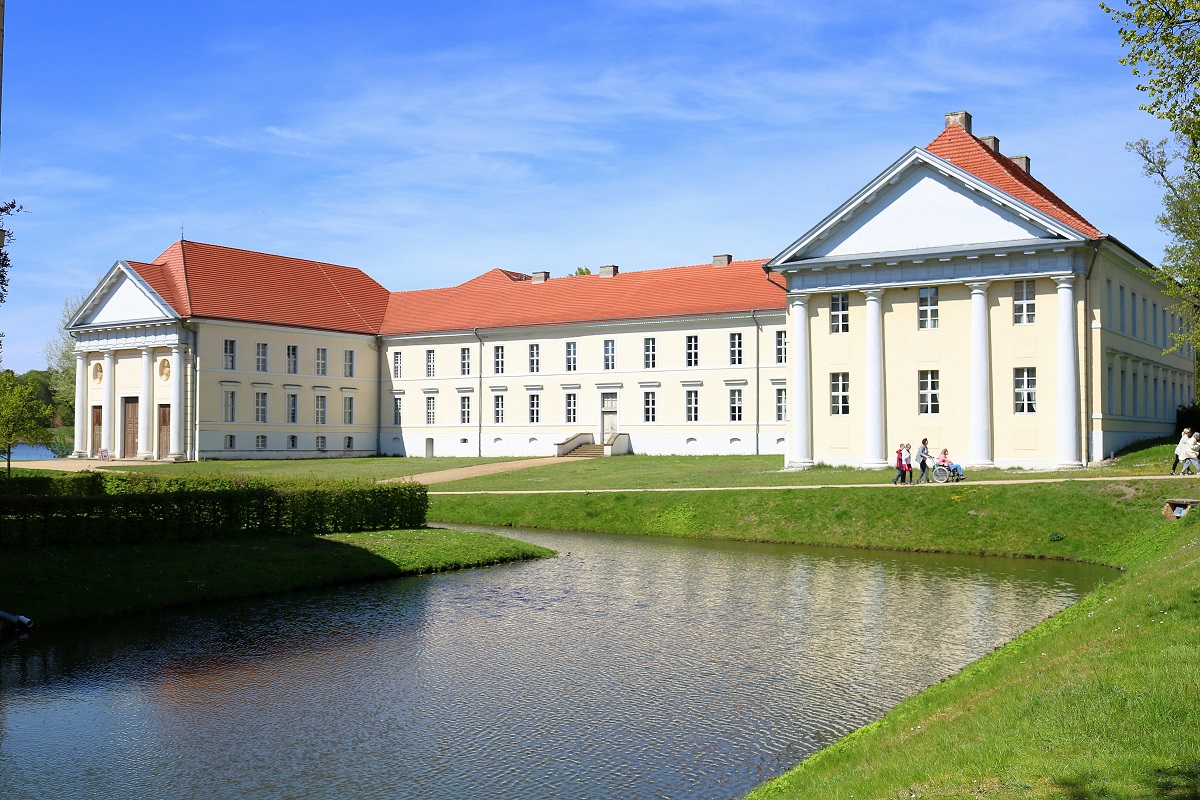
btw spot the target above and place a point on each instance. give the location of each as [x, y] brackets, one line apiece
[587, 451]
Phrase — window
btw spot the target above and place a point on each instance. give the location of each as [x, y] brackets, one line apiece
[464, 409]
[927, 308]
[572, 407]
[230, 442]
[1123, 393]
[781, 405]
[260, 406]
[1145, 319]
[691, 405]
[1023, 302]
[347, 363]
[781, 347]
[397, 410]
[1133, 314]
[691, 350]
[572, 357]
[319, 410]
[347, 410]
[260, 442]
[321, 443]
[260, 357]
[322, 361]
[430, 363]
[928, 390]
[430, 410]
[1134, 396]
[293, 442]
[397, 363]
[1121, 298]
[735, 405]
[535, 408]
[498, 359]
[348, 443]
[735, 349]
[464, 361]
[498, 409]
[839, 393]
[649, 353]
[610, 353]
[229, 360]
[535, 358]
[839, 312]
[1025, 389]
[648, 407]
[293, 359]
[1154, 323]
[291, 408]
[229, 406]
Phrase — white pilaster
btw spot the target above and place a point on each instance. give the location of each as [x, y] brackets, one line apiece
[177, 378]
[83, 413]
[874, 424]
[106, 404]
[145, 400]
[800, 443]
[980, 451]
[1067, 418]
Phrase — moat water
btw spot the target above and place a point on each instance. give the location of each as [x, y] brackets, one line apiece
[627, 667]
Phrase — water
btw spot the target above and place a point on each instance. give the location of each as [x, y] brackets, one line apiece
[35, 452]
[628, 667]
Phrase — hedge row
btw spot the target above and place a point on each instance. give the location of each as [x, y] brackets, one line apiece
[146, 511]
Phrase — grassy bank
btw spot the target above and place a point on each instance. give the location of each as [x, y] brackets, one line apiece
[69, 584]
[375, 468]
[1099, 701]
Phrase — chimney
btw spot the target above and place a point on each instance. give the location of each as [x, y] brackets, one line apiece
[1022, 162]
[541, 277]
[959, 118]
[991, 143]
[722, 260]
[609, 270]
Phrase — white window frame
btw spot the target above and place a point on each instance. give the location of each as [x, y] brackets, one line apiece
[397, 364]
[498, 409]
[572, 407]
[292, 365]
[535, 358]
[321, 443]
[535, 408]
[430, 409]
[735, 405]
[261, 361]
[322, 361]
[781, 346]
[839, 394]
[691, 405]
[1024, 302]
[464, 361]
[229, 405]
[691, 350]
[649, 407]
[781, 404]
[927, 308]
[397, 410]
[260, 406]
[610, 354]
[230, 441]
[498, 359]
[572, 356]
[347, 363]
[464, 409]
[229, 354]
[430, 363]
[260, 442]
[1025, 390]
[348, 409]
[649, 353]
[735, 349]
[320, 409]
[291, 408]
[839, 312]
[929, 383]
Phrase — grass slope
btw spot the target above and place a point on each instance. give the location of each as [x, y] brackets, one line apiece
[61, 584]
[376, 468]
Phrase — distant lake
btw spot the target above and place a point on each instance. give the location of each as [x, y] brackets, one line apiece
[25, 452]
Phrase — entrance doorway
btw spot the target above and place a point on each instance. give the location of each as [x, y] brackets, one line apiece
[164, 430]
[429, 447]
[97, 427]
[608, 415]
[129, 427]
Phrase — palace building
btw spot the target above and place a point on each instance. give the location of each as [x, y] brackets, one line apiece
[954, 297]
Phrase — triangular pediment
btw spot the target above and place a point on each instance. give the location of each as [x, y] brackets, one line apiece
[122, 297]
[922, 203]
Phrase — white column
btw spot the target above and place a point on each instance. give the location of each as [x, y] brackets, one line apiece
[874, 424]
[1068, 376]
[980, 452]
[800, 445]
[177, 378]
[145, 401]
[83, 413]
[106, 404]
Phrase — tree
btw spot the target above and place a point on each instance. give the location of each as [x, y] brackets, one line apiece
[1162, 41]
[60, 361]
[579, 271]
[23, 418]
[6, 238]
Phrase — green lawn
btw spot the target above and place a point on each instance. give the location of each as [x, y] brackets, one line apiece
[377, 468]
[52, 585]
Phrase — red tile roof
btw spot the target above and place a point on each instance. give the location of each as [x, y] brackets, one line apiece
[502, 299]
[212, 282]
[965, 151]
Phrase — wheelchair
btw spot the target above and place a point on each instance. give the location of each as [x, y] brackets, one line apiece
[943, 474]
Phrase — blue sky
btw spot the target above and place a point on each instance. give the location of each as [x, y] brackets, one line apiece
[426, 143]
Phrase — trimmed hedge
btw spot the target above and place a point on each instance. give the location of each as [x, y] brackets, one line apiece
[134, 509]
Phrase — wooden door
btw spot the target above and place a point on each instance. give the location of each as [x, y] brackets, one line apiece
[129, 427]
[97, 426]
[608, 415]
[164, 430]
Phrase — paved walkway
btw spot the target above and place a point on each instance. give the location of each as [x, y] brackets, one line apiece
[475, 471]
[76, 464]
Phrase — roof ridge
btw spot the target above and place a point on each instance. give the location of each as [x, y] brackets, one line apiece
[345, 300]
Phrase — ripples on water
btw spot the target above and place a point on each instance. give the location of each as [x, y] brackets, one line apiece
[627, 667]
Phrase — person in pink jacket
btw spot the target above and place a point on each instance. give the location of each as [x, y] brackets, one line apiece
[944, 460]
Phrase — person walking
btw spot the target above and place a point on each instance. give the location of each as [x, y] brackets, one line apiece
[923, 460]
[908, 465]
[1191, 455]
[899, 465]
[1179, 448]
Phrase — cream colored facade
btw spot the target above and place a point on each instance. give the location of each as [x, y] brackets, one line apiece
[488, 394]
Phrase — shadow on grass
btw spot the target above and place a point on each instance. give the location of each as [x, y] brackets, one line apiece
[1179, 782]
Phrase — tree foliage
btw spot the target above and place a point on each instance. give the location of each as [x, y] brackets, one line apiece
[60, 361]
[1162, 43]
[23, 418]
[6, 237]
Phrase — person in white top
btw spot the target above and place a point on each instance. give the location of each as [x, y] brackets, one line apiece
[1187, 434]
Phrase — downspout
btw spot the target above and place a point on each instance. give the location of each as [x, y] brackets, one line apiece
[194, 403]
[379, 395]
[1087, 354]
[757, 379]
[479, 410]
